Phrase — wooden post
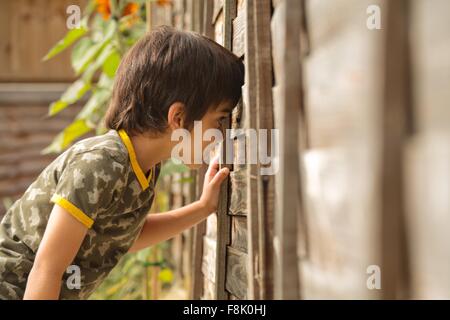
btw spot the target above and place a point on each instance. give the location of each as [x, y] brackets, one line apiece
[148, 11]
[251, 115]
[223, 220]
[394, 133]
[264, 106]
[287, 103]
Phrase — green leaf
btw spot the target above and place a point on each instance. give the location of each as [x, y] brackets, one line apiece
[79, 50]
[71, 36]
[93, 67]
[111, 64]
[93, 110]
[70, 96]
[75, 130]
[96, 49]
[88, 57]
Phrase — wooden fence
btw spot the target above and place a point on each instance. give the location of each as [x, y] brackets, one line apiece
[362, 190]
[363, 185]
[27, 86]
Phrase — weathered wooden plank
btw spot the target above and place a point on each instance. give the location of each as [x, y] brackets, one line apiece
[285, 28]
[238, 194]
[346, 156]
[251, 116]
[217, 9]
[208, 290]
[427, 198]
[198, 281]
[199, 232]
[239, 233]
[211, 226]
[430, 51]
[178, 14]
[264, 79]
[223, 220]
[208, 29]
[209, 259]
[176, 252]
[427, 159]
[341, 97]
[218, 29]
[30, 21]
[396, 112]
[16, 187]
[200, 7]
[239, 25]
[340, 196]
[237, 116]
[240, 4]
[31, 168]
[236, 278]
[32, 93]
[233, 297]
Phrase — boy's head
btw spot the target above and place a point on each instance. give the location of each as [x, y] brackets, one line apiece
[169, 68]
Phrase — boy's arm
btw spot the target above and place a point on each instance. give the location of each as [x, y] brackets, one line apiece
[163, 226]
[61, 241]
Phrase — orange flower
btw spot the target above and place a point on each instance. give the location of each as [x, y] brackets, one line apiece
[130, 8]
[104, 8]
[163, 2]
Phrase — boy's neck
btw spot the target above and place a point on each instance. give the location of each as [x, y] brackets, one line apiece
[149, 151]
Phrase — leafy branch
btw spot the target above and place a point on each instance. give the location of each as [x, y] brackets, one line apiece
[107, 30]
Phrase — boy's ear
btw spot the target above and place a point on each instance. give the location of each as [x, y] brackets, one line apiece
[176, 115]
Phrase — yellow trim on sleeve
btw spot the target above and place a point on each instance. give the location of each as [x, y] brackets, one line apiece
[143, 180]
[73, 210]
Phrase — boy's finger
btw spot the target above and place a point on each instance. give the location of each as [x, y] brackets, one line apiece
[213, 165]
[220, 176]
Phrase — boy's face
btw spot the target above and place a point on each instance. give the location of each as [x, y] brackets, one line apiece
[213, 119]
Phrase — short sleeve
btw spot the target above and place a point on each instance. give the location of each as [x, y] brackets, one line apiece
[88, 184]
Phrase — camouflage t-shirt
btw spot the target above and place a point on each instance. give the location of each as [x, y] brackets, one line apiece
[99, 181]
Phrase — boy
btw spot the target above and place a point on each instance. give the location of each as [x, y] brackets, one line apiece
[90, 205]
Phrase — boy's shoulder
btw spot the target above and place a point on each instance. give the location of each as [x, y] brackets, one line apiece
[107, 147]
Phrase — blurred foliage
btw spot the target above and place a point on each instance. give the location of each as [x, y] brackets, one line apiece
[107, 30]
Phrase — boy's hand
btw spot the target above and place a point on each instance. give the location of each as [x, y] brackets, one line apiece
[211, 185]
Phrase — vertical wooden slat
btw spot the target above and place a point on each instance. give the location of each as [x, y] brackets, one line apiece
[197, 246]
[200, 229]
[223, 220]
[263, 63]
[208, 29]
[251, 115]
[427, 161]
[394, 132]
[286, 94]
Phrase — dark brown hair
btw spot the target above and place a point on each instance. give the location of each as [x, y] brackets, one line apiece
[168, 66]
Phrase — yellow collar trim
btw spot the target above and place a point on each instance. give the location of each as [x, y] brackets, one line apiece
[144, 181]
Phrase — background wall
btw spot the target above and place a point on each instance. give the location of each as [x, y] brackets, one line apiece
[28, 29]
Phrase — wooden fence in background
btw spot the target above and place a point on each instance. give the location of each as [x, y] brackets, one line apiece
[27, 86]
[363, 183]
